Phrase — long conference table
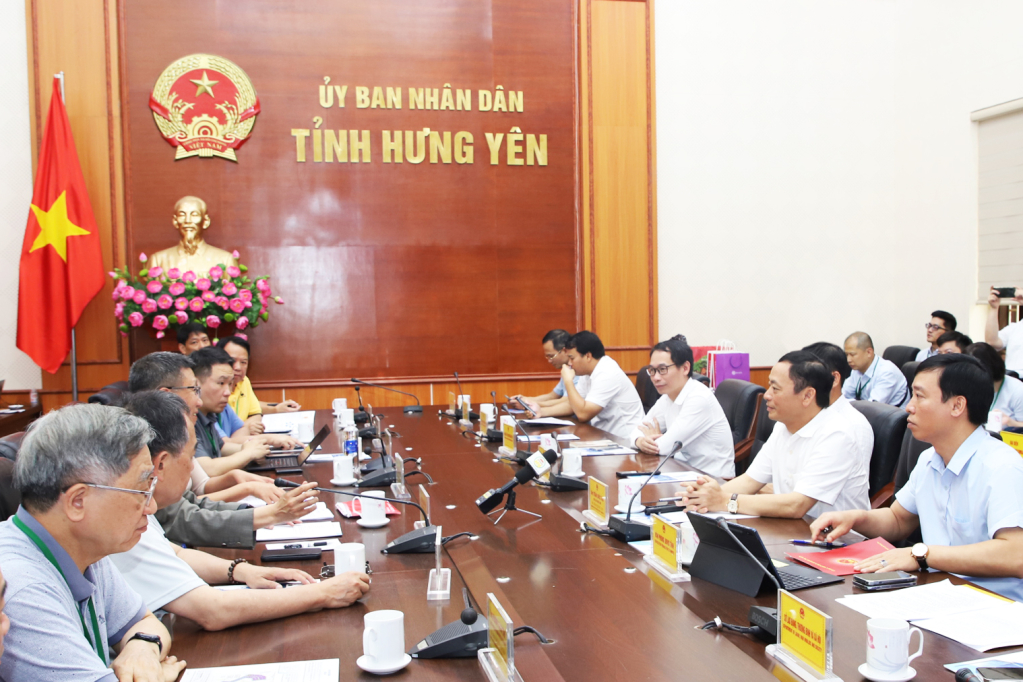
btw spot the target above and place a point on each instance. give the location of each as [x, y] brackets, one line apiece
[610, 615]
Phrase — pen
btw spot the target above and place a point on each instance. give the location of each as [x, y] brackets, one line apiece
[818, 543]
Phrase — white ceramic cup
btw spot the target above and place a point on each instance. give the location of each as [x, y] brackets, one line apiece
[383, 640]
[572, 465]
[344, 470]
[487, 408]
[994, 421]
[345, 416]
[339, 404]
[888, 644]
[350, 556]
[373, 510]
[305, 431]
[627, 487]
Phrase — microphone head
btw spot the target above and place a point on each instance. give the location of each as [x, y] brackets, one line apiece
[285, 483]
[966, 675]
[721, 523]
[551, 456]
[525, 475]
[469, 616]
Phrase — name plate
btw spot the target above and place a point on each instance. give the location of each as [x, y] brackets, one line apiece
[804, 637]
[451, 403]
[664, 539]
[1014, 440]
[500, 636]
[508, 429]
[598, 508]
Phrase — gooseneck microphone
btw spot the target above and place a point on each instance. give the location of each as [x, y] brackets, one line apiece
[458, 407]
[408, 409]
[520, 455]
[537, 465]
[420, 541]
[626, 529]
[763, 616]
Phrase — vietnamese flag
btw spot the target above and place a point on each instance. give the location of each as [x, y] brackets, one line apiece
[61, 261]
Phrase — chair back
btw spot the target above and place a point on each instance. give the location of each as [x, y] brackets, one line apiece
[645, 387]
[111, 394]
[909, 454]
[705, 380]
[909, 371]
[10, 498]
[738, 399]
[761, 432]
[10, 444]
[889, 426]
[900, 355]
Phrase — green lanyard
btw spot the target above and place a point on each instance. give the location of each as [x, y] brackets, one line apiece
[214, 452]
[860, 387]
[993, 402]
[97, 644]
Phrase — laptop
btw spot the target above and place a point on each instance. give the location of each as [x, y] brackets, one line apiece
[720, 561]
[274, 462]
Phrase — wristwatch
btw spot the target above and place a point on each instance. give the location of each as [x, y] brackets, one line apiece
[920, 552]
[152, 639]
[733, 504]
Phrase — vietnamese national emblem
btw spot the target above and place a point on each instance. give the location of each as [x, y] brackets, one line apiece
[205, 106]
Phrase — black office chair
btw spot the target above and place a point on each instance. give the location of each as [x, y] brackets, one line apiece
[739, 400]
[10, 444]
[111, 394]
[10, 498]
[645, 387]
[761, 432]
[705, 380]
[909, 371]
[889, 426]
[900, 355]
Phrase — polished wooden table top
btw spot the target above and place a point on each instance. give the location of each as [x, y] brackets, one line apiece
[610, 616]
[19, 421]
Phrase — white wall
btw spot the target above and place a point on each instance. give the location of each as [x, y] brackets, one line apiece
[15, 190]
[816, 165]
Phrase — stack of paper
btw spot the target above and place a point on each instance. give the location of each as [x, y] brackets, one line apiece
[287, 422]
[546, 421]
[598, 452]
[302, 531]
[321, 513]
[560, 436]
[326, 670]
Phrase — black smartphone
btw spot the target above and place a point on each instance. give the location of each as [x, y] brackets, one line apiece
[1001, 673]
[1006, 292]
[301, 554]
[891, 580]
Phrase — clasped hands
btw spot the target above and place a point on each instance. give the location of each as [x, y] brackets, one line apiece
[704, 495]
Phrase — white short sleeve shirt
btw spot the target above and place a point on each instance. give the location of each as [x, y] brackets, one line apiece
[610, 388]
[153, 570]
[696, 420]
[1011, 337]
[1009, 399]
[818, 461]
[859, 428]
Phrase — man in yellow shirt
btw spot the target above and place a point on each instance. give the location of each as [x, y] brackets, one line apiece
[243, 399]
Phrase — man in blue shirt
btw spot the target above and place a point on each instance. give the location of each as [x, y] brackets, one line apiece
[873, 377]
[963, 493]
[86, 481]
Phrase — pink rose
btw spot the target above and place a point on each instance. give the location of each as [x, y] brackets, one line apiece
[212, 321]
[237, 305]
[196, 304]
[154, 287]
[203, 284]
[262, 285]
[155, 272]
[209, 296]
[139, 296]
[182, 316]
[164, 302]
[223, 302]
[173, 273]
[177, 288]
[216, 273]
[160, 335]
[245, 295]
[136, 319]
[236, 256]
[230, 289]
[188, 276]
[119, 310]
[127, 293]
[149, 306]
[142, 257]
[233, 271]
[181, 303]
[118, 291]
[248, 304]
[112, 274]
[160, 322]
[242, 323]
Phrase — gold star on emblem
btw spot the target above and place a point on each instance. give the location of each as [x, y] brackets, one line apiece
[205, 85]
[55, 227]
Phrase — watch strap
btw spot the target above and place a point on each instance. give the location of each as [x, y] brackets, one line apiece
[146, 637]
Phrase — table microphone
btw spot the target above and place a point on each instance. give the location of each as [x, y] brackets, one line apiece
[360, 415]
[967, 675]
[408, 409]
[458, 409]
[420, 541]
[537, 465]
[626, 529]
[763, 616]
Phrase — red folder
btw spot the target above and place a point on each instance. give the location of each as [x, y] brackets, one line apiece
[841, 561]
[354, 508]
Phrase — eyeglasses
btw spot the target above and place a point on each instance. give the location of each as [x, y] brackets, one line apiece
[551, 357]
[148, 493]
[662, 369]
[196, 389]
[933, 327]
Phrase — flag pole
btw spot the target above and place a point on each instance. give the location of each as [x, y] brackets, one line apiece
[74, 353]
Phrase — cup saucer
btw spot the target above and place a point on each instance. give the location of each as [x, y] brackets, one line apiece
[574, 474]
[347, 481]
[365, 663]
[903, 675]
[379, 524]
[624, 508]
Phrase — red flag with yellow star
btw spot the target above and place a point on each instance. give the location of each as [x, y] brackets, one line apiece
[61, 261]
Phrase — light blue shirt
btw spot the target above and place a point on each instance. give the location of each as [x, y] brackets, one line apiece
[1010, 398]
[228, 422]
[969, 501]
[46, 642]
[560, 388]
[925, 353]
[883, 382]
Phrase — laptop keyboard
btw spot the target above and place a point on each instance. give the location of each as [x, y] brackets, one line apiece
[283, 462]
[796, 582]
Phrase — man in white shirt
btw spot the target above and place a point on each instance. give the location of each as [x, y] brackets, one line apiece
[687, 413]
[604, 396]
[862, 434]
[963, 493]
[176, 579]
[1008, 338]
[806, 458]
[941, 322]
[873, 377]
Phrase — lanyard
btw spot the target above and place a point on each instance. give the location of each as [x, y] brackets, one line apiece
[860, 386]
[214, 451]
[97, 644]
[995, 401]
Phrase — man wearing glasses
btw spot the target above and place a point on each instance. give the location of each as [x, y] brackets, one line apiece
[941, 322]
[687, 412]
[86, 482]
[553, 404]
